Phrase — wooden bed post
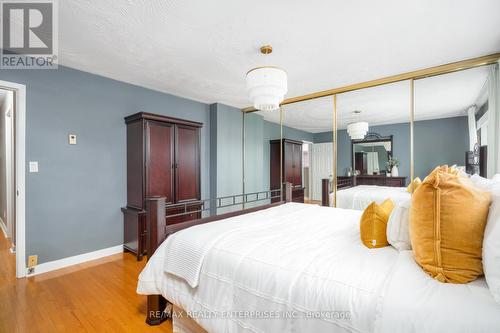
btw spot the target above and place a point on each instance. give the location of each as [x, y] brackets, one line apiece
[325, 192]
[155, 226]
[288, 192]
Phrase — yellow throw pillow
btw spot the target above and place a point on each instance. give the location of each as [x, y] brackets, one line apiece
[373, 226]
[447, 220]
[414, 185]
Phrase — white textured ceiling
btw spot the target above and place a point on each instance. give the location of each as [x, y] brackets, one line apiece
[436, 97]
[202, 49]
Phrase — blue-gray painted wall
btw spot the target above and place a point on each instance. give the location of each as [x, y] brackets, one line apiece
[229, 155]
[437, 141]
[73, 203]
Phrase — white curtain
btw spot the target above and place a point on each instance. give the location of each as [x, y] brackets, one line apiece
[372, 161]
[471, 112]
[493, 121]
[321, 157]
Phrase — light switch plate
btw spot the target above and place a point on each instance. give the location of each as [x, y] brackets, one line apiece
[33, 166]
[72, 139]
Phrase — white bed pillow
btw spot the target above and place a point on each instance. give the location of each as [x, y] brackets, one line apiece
[491, 240]
[398, 226]
[484, 184]
[491, 244]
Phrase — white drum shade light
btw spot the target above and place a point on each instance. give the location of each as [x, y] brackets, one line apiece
[357, 130]
[266, 85]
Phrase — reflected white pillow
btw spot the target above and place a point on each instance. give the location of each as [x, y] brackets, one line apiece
[491, 244]
[398, 226]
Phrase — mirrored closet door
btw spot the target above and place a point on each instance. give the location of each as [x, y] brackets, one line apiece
[308, 147]
[373, 145]
[451, 122]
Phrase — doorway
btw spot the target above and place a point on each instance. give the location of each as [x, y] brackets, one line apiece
[12, 173]
[7, 166]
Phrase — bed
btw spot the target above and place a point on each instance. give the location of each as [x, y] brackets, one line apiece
[301, 268]
[359, 197]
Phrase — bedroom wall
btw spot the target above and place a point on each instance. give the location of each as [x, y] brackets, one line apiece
[73, 203]
[226, 155]
[257, 136]
[440, 141]
[437, 141]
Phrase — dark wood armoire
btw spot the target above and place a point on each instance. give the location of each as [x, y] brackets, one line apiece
[292, 167]
[163, 159]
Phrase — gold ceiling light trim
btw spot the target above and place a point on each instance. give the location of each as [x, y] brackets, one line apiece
[270, 66]
[415, 75]
[266, 49]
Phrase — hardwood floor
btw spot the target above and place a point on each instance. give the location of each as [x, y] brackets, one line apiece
[312, 202]
[97, 296]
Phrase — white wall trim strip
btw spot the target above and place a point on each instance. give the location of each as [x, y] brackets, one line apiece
[74, 260]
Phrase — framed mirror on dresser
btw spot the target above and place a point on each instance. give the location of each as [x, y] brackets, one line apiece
[371, 158]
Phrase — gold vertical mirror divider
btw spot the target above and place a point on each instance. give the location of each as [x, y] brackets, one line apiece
[412, 130]
[333, 202]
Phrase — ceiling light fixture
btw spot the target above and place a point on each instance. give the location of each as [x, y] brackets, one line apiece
[266, 85]
[357, 130]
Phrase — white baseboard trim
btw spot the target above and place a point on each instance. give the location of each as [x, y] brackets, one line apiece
[3, 226]
[74, 260]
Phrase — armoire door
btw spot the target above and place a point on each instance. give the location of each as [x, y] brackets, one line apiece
[288, 162]
[187, 154]
[159, 160]
[297, 165]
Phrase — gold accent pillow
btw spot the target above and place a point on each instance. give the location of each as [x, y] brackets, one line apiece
[447, 220]
[414, 185]
[373, 225]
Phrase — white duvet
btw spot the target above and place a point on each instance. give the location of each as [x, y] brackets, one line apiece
[359, 197]
[302, 268]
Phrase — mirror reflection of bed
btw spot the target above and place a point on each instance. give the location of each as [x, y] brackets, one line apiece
[373, 147]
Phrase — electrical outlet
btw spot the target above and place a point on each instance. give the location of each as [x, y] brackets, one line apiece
[32, 260]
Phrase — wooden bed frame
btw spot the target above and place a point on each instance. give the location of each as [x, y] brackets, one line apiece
[158, 308]
[342, 183]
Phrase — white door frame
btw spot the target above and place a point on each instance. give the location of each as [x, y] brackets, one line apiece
[20, 151]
